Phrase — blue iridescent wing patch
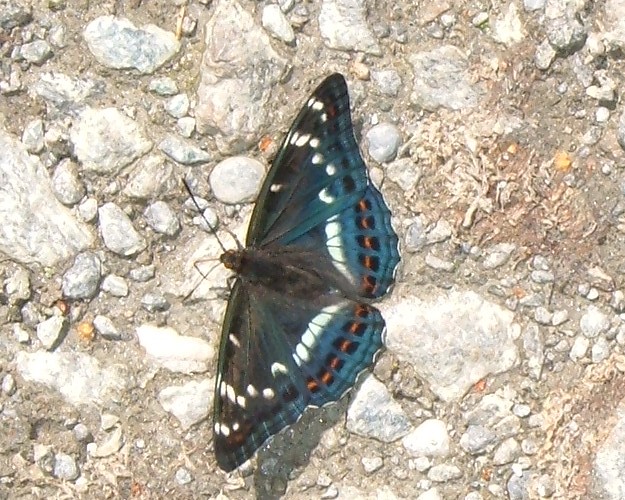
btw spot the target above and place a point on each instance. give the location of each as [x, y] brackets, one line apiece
[299, 327]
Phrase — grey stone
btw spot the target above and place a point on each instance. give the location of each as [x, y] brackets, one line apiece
[508, 451]
[580, 347]
[32, 136]
[429, 439]
[153, 177]
[189, 403]
[66, 92]
[81, 281]
[78, 377]
[460, 338]
[545, 55]
[175, 352]
[235, 108]
[36, 52]
[106, 140]
[343, 26]
[36, 228]
[183, 151]
[115, 285]
[594, 322]
[404, 172]
[178, 105]
[118, 43]
[65, 467]
[106, 328]
[388, 81]
[153, 302]
[444, 472]
[183, 476]
[8, 384]
[498, 255]
[442, 80]
[161, 218]
[276, 23]
[478, 439]
[236, 179]
[118, 233]
[66, 183]
[374, 413]
[383, 140]
[164, 86]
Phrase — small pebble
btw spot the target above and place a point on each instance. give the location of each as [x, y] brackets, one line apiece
[178, 105]
[579, 349]
[82, 433]
[237, 179]
[105, 327]
[51, 331]
[8, 384]
[153, 302]
[164, 86]
[383, 142]
[161, 218]
[65, 467]
[32, 136]
[143, 273]
[115, 285]
[82, 279]
[371, 464]
[183, 476]
[36, 52]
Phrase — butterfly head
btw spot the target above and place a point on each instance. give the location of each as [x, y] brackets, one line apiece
[232, 259]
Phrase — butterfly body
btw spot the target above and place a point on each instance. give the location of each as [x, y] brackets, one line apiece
[300, 325]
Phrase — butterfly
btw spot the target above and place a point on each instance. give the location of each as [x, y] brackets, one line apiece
[300, 326]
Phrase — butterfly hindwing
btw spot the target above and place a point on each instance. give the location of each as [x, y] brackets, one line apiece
[311, 358]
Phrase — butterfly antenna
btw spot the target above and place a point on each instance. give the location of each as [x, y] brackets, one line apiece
[212, 229]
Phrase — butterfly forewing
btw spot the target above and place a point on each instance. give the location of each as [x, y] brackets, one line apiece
[298, 328]
[315, 173]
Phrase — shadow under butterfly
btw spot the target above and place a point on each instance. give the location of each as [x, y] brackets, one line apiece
[299, 325]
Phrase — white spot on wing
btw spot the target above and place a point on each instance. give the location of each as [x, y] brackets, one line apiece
[324, 117]
[314, 143]
[317, 105]
[278, 368]
[314, 330]
[333, 232]
[224, 430]
[317, 159]
[275, 188]
[252, 391]
[302, 140]
[222, 389]
[330, 169]
[294, 137]
[268, 393]
[234, 340]
[236, 426]
[302, 352]
[325, 196]
[241, 402]
[232, 396]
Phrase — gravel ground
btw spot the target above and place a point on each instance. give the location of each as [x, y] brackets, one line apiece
[496, 133]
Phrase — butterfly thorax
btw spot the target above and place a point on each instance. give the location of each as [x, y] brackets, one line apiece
[280, 272]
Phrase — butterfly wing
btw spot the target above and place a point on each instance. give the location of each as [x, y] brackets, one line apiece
[278, 356]
[318, 191]
[317, 172]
